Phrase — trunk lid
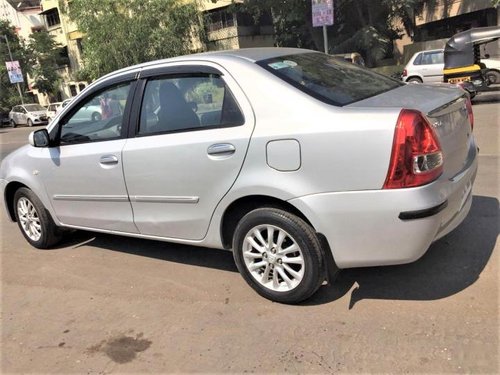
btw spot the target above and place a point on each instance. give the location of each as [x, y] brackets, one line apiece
[445, 108]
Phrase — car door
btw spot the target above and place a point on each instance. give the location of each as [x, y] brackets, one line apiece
[22, 116]
[14, 114]
[432, 66]
[83, 172]
[191, 138]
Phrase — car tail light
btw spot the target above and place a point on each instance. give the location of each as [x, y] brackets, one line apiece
[468, 105]
[405, 72]
[416, 153]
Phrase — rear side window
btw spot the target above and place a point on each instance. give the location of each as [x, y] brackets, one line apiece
[328, 78]
[191, 102]
[418, 59]
[430, 58]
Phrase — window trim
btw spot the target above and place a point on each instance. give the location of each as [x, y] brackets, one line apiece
[56, 140]
[181, 71]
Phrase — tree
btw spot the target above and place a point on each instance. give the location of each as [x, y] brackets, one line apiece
[360, 25]
[46, 59]
[9, 95]
[120, 33]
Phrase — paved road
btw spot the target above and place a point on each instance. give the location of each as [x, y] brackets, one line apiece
[101, 304]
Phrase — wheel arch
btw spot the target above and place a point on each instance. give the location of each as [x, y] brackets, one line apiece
[243, 205]
[10, 191]
[415, 76]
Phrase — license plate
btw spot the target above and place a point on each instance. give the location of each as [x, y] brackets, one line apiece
[458, 80]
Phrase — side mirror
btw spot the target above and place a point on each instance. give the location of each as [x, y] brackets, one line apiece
[39, 138]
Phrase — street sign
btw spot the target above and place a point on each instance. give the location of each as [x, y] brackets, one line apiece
[322, 12]
[14, 71]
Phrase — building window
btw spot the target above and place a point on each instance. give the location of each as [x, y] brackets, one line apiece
[63, 57]
[72, 89]
[79, 45]
[220, 19]
[81, 86]
[52, 17]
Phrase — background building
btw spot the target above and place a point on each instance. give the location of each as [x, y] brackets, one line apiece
[444, 19]
[228, 28]
[66, 34]
[24, 15]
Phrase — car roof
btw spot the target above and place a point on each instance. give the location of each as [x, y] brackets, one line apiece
[248, 54]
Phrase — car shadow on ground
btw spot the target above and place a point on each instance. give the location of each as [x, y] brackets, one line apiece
[167, 251]
[451, 264]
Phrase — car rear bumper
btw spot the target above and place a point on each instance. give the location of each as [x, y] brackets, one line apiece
[385, 227]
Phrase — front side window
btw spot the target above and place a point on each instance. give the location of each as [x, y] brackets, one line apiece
[97, 118]
[189, 102]
[431, 58]
[327, 78]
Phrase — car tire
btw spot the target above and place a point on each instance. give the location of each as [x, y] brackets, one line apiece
[96, 116]
[13, 123]
[29, 123]
[287, 269]
[414, 80]
[493, 76]
[34, 220]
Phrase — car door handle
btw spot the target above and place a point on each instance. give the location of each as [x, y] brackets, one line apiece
[221, 149]
[108, 159]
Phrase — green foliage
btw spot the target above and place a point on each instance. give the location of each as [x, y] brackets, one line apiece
[363, 26]
[120, 33]
[46, 61]
[9, 96]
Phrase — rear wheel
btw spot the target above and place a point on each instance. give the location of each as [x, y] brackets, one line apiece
[493, 76]
[279, 255]
[34, 220]
[414, 80]
[13, 123]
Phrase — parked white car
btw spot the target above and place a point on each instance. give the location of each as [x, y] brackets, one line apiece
[28, 114]
[294, 160]
[52, 110]
[92, 111]
[427, 67]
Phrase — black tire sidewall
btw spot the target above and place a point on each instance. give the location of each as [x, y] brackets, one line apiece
[48, 236]
[493, 77]
[305, 238]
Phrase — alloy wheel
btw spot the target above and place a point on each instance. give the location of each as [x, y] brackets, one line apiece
[273, 258]
[29, 219]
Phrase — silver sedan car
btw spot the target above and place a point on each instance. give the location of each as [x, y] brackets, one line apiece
[298, 162]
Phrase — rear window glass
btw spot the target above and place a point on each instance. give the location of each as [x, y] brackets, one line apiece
[328, 78]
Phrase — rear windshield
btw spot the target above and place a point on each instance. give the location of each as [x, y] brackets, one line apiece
[328, 78]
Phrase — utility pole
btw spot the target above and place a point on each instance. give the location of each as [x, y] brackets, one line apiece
[11, 59]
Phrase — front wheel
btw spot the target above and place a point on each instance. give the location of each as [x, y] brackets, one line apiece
[13, 123]
[34, 220]
[279, 255]
[96, 116]
[30, 123]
